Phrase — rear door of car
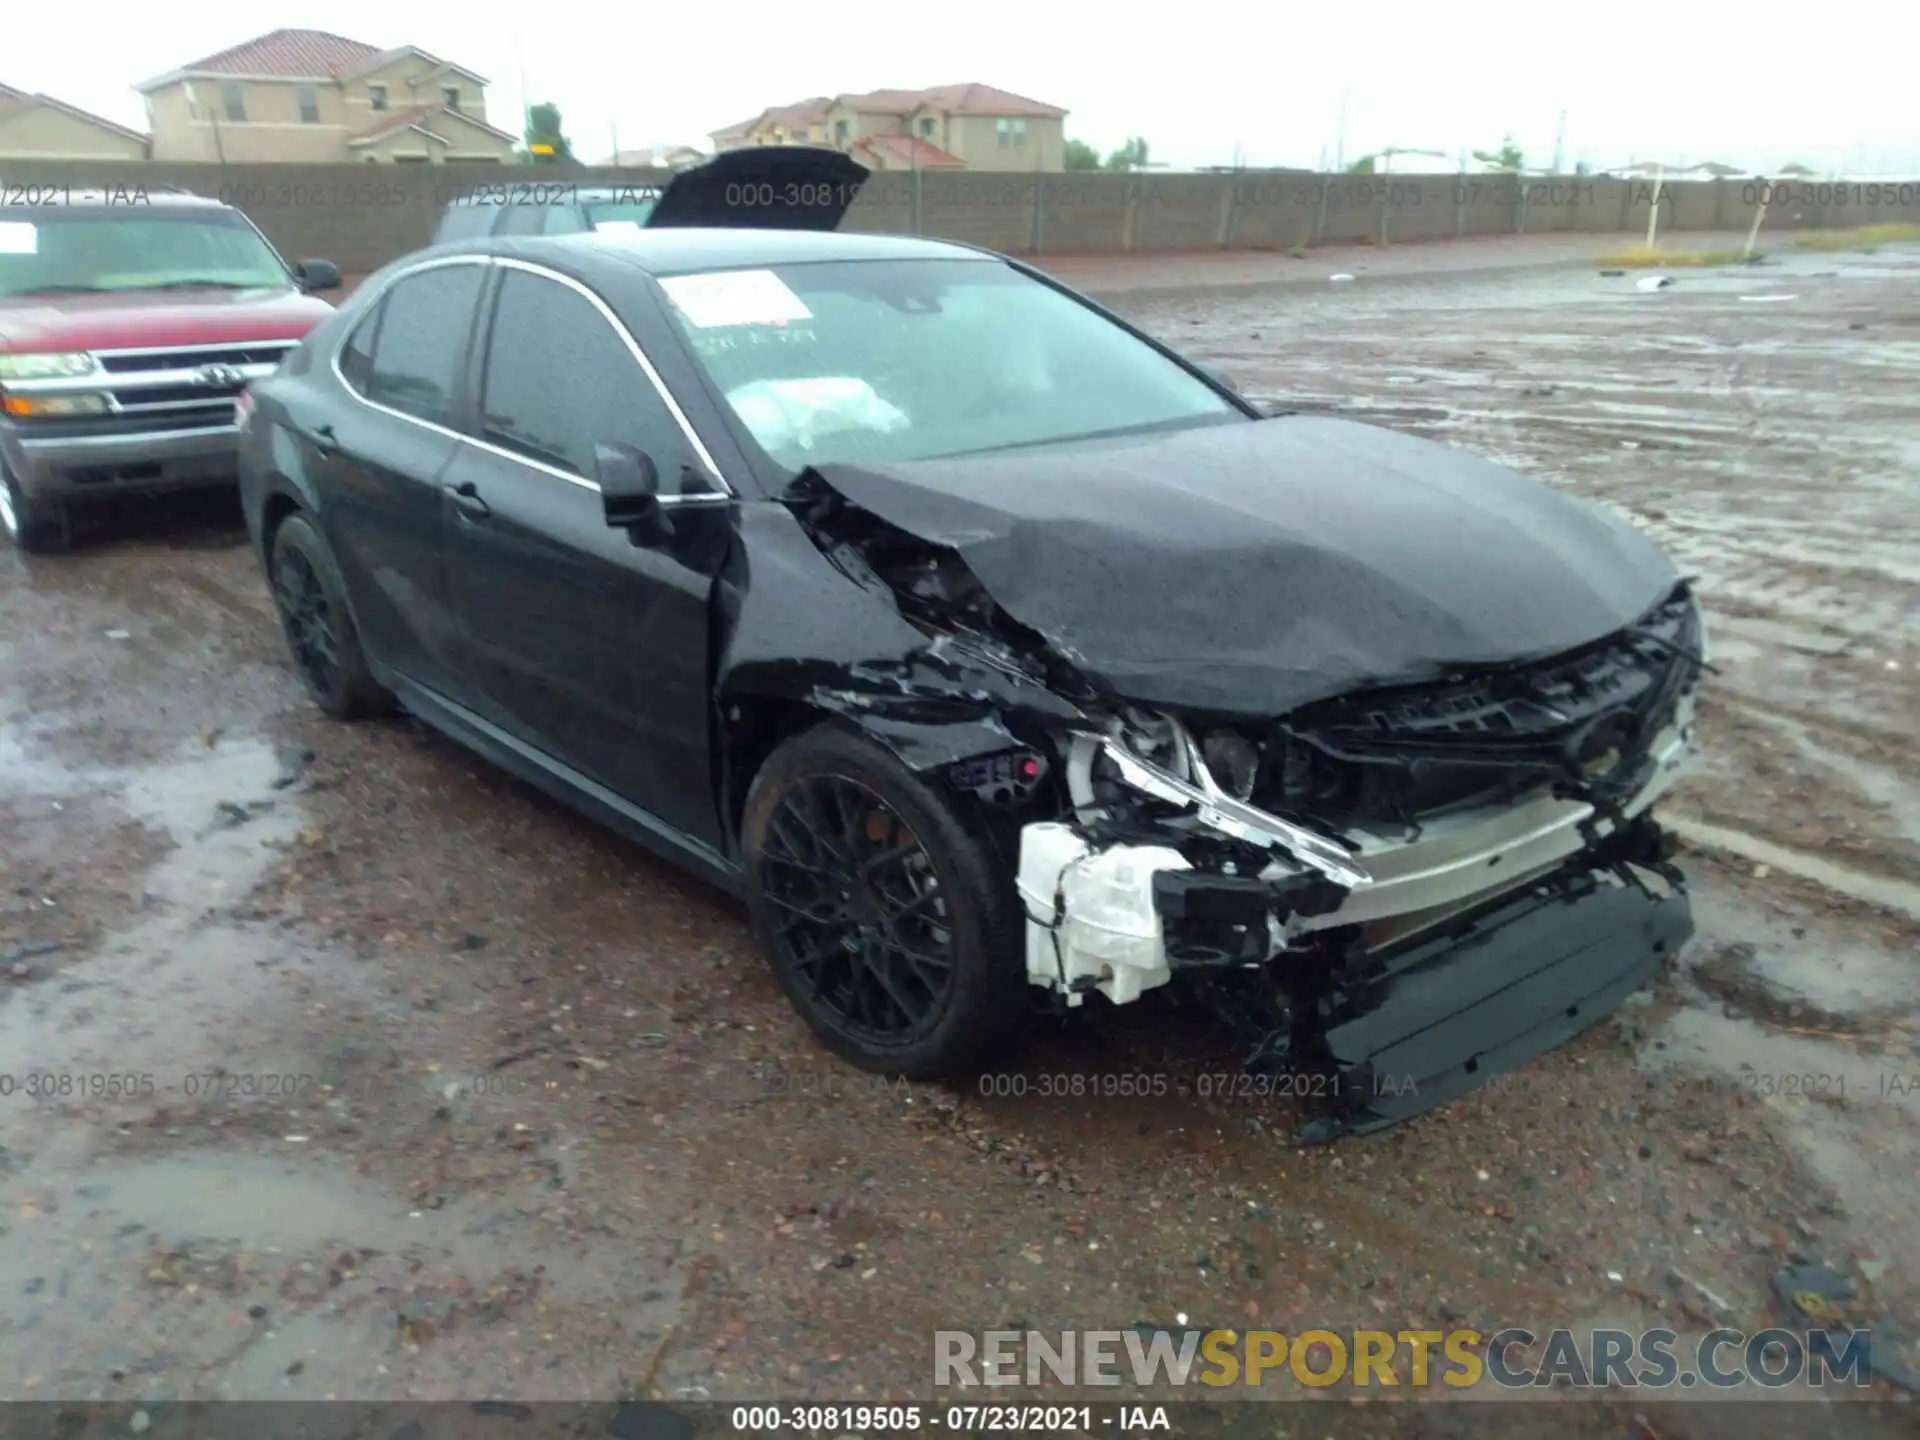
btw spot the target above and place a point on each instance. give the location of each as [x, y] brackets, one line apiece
[580, 643]
[380, 456]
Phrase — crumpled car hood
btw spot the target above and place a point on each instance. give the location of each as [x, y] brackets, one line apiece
[1251, 568]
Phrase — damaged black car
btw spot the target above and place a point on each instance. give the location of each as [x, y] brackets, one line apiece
[997, 655]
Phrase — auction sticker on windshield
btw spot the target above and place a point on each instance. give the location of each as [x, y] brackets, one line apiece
[735, 297]
[622, 228]
[17, 237]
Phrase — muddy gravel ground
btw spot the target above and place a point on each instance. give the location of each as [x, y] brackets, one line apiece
[335, 1063]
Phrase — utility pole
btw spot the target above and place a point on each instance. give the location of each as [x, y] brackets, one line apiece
[1559, 141]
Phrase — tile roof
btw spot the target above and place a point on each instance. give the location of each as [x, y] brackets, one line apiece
[973, 99]
[910, 147]
[13, 101]
[386, 57]
[416, 115]
[978, 100]
[302, 54]
[395, 120]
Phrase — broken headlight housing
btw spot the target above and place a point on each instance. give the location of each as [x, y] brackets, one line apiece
[1154, 755]
[1233, 761]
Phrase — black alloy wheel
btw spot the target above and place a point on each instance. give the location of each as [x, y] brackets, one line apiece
[888, 918]
[861, 920]
[309, 622]
[325, 647]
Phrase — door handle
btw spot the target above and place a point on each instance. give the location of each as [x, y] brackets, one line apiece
[467, 496]
[322, 438]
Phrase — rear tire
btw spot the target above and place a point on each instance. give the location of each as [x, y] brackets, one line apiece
[312, 601]
[889, 919]
[38, 527]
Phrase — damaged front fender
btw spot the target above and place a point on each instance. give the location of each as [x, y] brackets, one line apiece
[811, 630]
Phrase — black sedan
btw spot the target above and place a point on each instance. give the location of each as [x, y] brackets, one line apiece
[996, 654]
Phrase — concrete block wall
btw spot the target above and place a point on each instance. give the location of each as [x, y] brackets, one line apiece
[361, 216]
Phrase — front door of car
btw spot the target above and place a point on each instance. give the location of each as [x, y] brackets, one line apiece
[378, 460]
[584, 644]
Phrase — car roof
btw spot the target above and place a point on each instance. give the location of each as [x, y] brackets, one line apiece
[138, 196]
[676, 249]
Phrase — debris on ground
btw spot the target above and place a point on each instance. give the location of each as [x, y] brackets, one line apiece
[1815, 1291]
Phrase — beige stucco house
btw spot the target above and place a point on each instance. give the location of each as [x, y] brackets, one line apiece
[971, 127]
[310, 97]
[657, 157]
[39, 127]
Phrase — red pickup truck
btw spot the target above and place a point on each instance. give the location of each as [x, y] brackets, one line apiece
[130, 321]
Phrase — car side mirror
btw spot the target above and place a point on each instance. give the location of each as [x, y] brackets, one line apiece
[630, 493]
[1218, 376]
[317, 275]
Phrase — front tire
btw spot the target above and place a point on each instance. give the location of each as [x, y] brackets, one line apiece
[887, 917]
[312, 601]
[38, 527]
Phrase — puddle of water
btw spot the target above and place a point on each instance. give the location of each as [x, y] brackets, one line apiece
[1848, 1106]
[25, 770]
[1781, 1068]
[229, 826]
[1839, 975]
[1889, 894]
[227, 1246]
[225, 817]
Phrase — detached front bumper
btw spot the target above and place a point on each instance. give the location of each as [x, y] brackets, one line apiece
[1488, 938]
[74, 463]
[1434, 1018]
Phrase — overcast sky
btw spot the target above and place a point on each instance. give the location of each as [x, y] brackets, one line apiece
[1829, 85]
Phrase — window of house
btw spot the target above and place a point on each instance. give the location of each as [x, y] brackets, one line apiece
[926, 129]
[560, 381]
[1010, 133]
[840, 129]
[377, 97]
[450, 96]
[423, 333]
[309, 105]
[233, 100]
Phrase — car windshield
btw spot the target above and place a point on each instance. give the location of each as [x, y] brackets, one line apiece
[870, 361]
[49, 250]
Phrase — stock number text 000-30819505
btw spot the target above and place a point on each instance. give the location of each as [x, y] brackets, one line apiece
[870, 1419]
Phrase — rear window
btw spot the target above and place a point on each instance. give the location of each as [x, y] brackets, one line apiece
[615, 216]
[465, 222]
